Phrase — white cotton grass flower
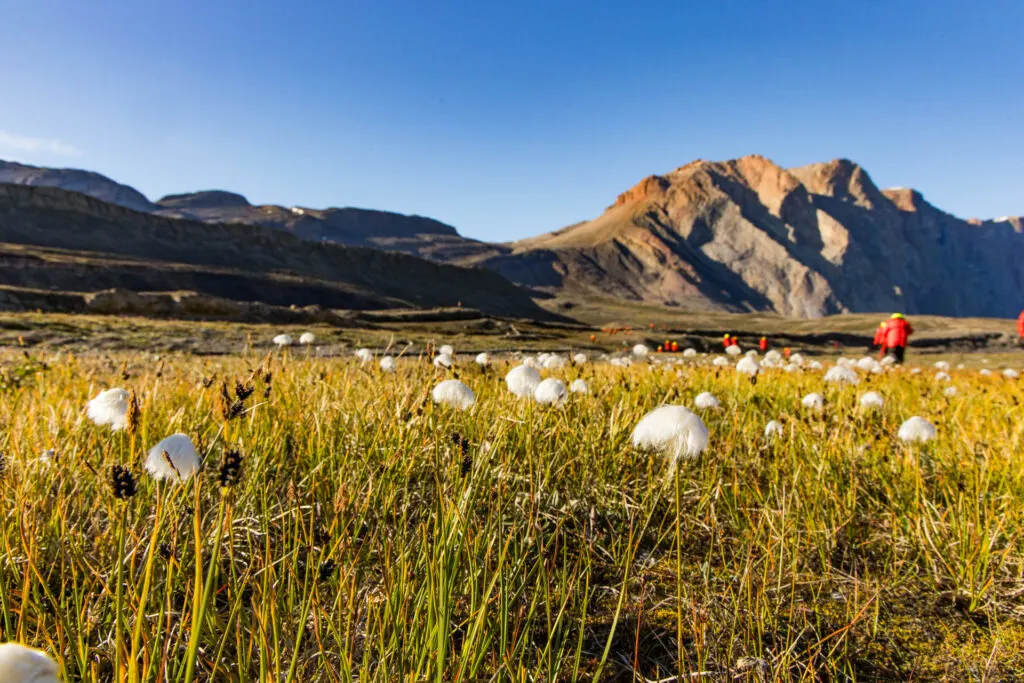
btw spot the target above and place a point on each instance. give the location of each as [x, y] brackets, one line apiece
[690, 353]
[917, 429]
[813, 401]
[641, 351]
[796, 358]
[1010, 373]
[941, 365]
[733, 350]
[840, 374]
[554, 362]
[791, 367]
[283, 340]
[580, 359]
[522, 380]
[672, 430]
[388, 364]
[550, 392]
[872, 400]
[773, 429]
[985, 372]
[949, 392]
[307, 338]
[364, 355]
[443, 360]
[531, 362]
[773, 356]
[446, 350]
[869, 364]
[579, 386]
[960, 366]
[887, 362]
[748, 366]
[174, 459]
[915, 371]
[621, 362]
[721, 361]
[942, 376]
[815, 365]
[21, 664]
[110, 407]
[483, 359]
[706, 401]
[454, 393]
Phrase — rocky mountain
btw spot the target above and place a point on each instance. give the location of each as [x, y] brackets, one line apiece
[749, 235]
[736, 235]
[86, 182]
[55, 240]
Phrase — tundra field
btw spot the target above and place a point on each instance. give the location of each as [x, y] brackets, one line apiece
[344, 525]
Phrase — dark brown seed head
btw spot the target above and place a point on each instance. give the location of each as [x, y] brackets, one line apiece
[122, 482]
[243, 391]
[165, 551]
[230, 469]
[133, 415]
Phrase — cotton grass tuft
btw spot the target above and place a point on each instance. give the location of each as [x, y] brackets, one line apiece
[748, 366]
[672, 430]
[813, 401]
[522, 380]
[706, 401]
[841, 375]
[550, 392]
[579, 386]
[917, 429]
[454, 393]
[872, 400]
[388, 364]
[109, 408]
[173, 459]
[21, 664]
[283, 340]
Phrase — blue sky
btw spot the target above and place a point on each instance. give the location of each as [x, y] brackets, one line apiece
[508, 119]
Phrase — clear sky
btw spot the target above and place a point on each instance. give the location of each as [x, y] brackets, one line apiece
[508, 119]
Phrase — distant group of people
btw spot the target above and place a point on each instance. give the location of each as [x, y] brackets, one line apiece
[892, 337]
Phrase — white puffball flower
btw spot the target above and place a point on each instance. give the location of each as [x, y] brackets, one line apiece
[579, 386]
[388, 364]
[550, 392]
[773, 429]
[815, 365]
[621, 362]
[283, 340]
[888, 361]
[748, 366]
[110, 407]
[706, 401]
[949, 392]
[483, 359]
[813, 401]
[721, 361]
[580, 359]
[941, 365]
[773, 356]
[915, 371]
[796, 358]
[446, 350]
[454, 393]
[672, 430]
[791, 367]
[640, 351]
[443, 360]
[872, 399]
[522, 380]
[21, 664]
[841, 375]
[917, 429]
[984, 372]
[554, 362]
[733, 350]
[1010, 373]
[960, 366]
[689, 353]
[942, 377]
[174, 458]
[307, 338]
[364, 355]
[869, 364]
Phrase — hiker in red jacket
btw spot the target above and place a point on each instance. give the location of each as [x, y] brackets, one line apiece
[763, 344]
[1020, 325]
[897, 334]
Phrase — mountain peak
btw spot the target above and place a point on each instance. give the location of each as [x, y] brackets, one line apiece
[204, 199]
[649, 186]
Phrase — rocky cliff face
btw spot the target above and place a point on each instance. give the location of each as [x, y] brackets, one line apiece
[810, 241]
[86, 182]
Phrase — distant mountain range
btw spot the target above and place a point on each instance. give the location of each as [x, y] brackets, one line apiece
[738, 235]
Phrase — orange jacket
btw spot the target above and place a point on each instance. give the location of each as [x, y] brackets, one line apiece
[897, 332]
[763, 344]
[1020, 324]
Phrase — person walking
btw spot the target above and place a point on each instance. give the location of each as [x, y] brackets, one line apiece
[1020, 325]
[897, 335]
[763, 344]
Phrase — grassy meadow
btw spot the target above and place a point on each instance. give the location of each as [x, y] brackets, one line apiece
[374, 535]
